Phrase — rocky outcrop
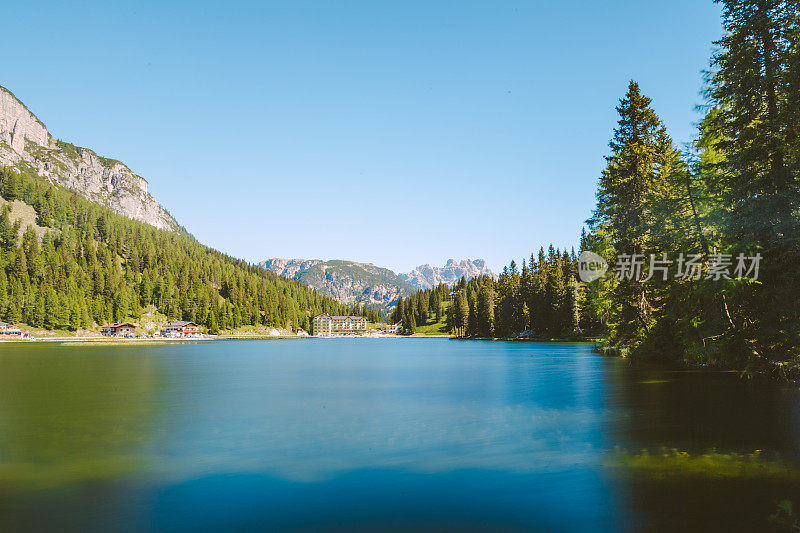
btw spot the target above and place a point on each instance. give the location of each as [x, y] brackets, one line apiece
[347, 281]
[18, 125]
[426, 276]
[26, 145]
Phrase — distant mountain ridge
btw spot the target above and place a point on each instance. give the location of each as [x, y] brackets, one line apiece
[366, 284]
[426, 276]
[27, 146]
[347, 281]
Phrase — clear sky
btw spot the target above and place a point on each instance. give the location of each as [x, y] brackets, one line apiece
[397, 133]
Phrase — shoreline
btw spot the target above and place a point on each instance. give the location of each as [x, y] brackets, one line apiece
[214, 338]
[111, 341]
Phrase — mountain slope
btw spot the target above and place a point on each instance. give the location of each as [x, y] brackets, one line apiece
[346, 281]
[82, 242]
[367, 284]
[27, 146]
[427, 277]
[87, 265]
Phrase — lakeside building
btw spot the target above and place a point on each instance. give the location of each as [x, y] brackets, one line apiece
[326, 325]
[392, 329]
[180, 328]
[119, 329]
[9, 331]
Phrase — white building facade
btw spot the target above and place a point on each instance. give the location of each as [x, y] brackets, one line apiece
[326, 325]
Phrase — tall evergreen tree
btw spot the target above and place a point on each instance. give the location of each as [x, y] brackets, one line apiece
[624, 213]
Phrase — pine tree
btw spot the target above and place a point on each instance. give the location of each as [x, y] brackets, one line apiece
[8, 237]
[634, 170]
[485, 311]
[461, 314]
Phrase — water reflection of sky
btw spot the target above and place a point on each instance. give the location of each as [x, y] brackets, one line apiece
[371, 435]
[304, 415]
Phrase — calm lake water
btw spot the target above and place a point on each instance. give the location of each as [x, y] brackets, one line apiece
[384, 435]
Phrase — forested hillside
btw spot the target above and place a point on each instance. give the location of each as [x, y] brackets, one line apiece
[92, 266]
[732, 198]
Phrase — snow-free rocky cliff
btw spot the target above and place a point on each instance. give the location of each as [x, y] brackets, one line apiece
[366, 284]
[426, 276]
[25, 144]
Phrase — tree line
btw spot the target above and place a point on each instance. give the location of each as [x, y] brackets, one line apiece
[421, 306]
[91, 266]
[541, 299]
[734, 193]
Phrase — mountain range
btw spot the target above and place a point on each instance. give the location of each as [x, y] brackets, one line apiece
[27, 146]
[84, 243]
[427, 276]
[366, 284]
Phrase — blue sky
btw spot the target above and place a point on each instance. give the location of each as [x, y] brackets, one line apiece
[397, 133]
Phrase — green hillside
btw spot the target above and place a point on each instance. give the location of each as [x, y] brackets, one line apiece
[435, 325]
[78, 264]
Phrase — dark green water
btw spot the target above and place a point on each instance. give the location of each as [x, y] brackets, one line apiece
[384, 435]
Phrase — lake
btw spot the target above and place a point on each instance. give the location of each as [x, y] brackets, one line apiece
[385, 435]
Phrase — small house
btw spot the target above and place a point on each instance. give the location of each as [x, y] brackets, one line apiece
[9, 331]
[180, 328]
[392, 329]
[119, 329]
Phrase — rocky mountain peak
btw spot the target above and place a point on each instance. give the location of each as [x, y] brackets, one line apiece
[426, 276]
[25, 144]
[18, 124]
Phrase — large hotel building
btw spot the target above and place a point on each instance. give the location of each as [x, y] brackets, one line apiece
[326, 325]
